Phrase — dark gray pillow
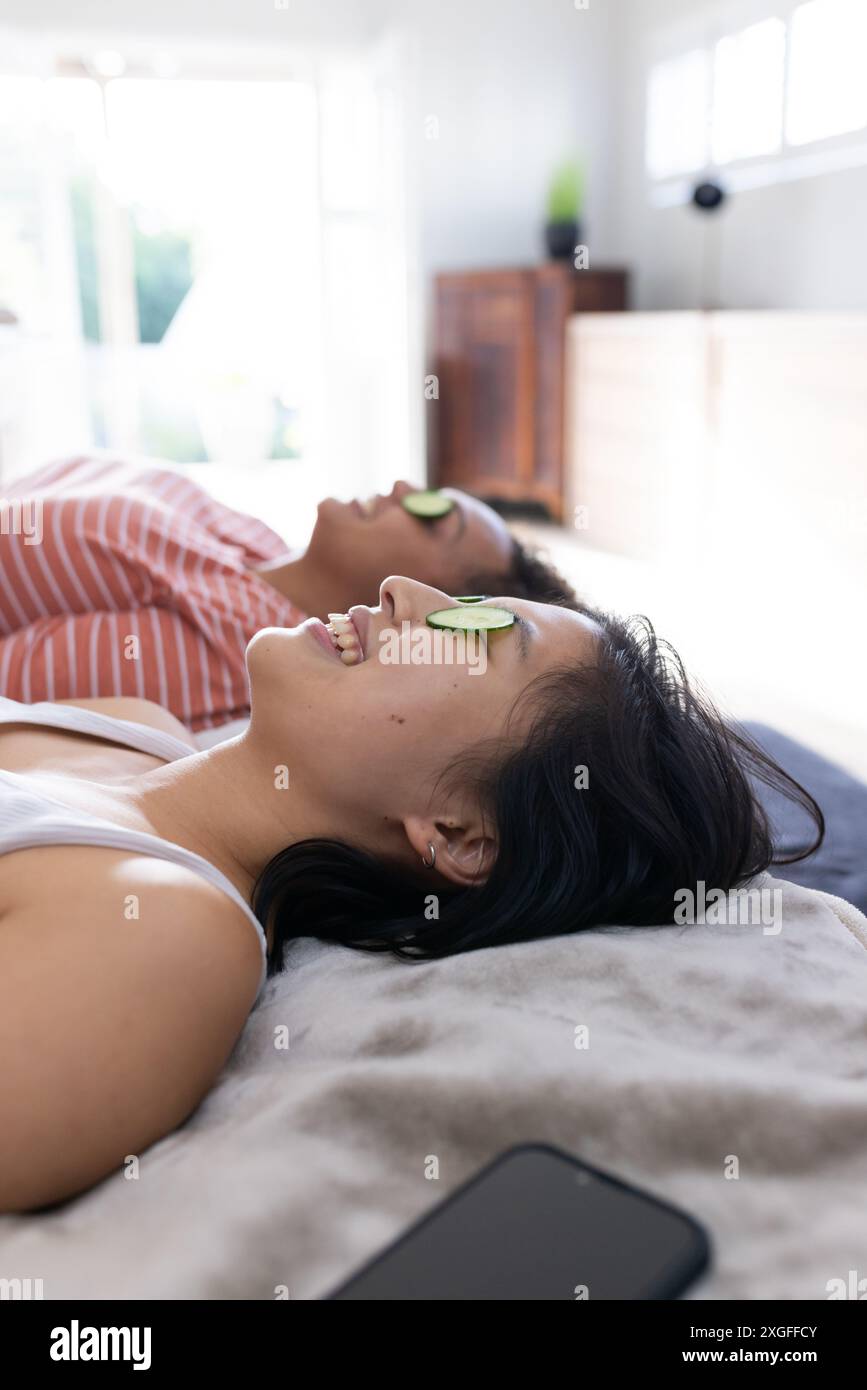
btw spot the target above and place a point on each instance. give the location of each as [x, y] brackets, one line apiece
[840, 866]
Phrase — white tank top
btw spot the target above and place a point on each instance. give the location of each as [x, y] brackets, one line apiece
[28, 818]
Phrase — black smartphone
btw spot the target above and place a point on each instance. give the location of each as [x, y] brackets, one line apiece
[538, 1223]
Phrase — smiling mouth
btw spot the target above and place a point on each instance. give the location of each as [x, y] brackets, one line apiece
[345, 638]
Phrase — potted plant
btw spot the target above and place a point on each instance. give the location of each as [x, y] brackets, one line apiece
[565, 206]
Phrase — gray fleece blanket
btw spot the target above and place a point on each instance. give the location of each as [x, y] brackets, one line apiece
[726, 1071]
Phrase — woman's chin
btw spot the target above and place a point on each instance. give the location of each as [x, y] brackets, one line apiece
[268, 647]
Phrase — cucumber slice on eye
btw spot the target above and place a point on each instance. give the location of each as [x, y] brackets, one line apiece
[427, 505]
[471, 619]
[470, 598]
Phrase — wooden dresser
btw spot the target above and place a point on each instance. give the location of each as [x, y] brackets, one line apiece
[496, 424]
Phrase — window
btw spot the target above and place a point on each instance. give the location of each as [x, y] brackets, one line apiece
[217, 178]
[205, 257]
[749, 74]
[677, 106]
[164, 231]
[827, 87]
[763, 93]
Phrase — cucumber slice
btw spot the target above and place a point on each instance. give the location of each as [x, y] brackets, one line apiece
[470, 598]
[471, 619]
[427, 505]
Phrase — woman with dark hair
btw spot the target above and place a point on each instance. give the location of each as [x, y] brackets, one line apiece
[611, 786]
[388, 805]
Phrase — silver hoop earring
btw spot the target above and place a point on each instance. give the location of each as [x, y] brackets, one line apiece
[433, 856]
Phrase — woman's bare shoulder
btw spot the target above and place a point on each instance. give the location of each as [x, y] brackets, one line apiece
[119, 904]
[138, 712]
[120, 1003]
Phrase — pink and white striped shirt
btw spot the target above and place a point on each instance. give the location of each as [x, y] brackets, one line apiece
[141, 584]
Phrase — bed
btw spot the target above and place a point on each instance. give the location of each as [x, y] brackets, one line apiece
[726, 1071]
[840, 866]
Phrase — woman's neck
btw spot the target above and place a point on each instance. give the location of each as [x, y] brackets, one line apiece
[307, 584]
[229, 804]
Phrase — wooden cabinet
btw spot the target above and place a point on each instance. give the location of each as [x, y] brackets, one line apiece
[499, 353]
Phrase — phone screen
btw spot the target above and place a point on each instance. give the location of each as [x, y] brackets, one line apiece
[539, 1224]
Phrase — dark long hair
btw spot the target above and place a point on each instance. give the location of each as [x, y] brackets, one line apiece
[530, 575]
[668, 798]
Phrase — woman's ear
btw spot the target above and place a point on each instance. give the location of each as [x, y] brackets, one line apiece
[465, 853]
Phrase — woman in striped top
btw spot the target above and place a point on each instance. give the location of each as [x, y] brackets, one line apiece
[130, 580]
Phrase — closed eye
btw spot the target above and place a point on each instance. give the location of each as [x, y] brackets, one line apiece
[455, 513]
[524, 630]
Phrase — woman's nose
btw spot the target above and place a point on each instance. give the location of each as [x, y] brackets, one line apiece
[410, 599]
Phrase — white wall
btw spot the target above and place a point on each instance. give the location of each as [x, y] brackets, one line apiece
[515, 87]
[796, 245]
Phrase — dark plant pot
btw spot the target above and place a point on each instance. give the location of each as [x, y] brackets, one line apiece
[561, 238]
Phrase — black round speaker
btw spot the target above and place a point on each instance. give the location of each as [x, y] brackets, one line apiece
[708, 196]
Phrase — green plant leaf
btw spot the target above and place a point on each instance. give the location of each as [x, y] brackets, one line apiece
[566, 192]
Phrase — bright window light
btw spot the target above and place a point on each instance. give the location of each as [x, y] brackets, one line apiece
[827, 88]
[348, 133]
[749, 74]
[678, 99]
